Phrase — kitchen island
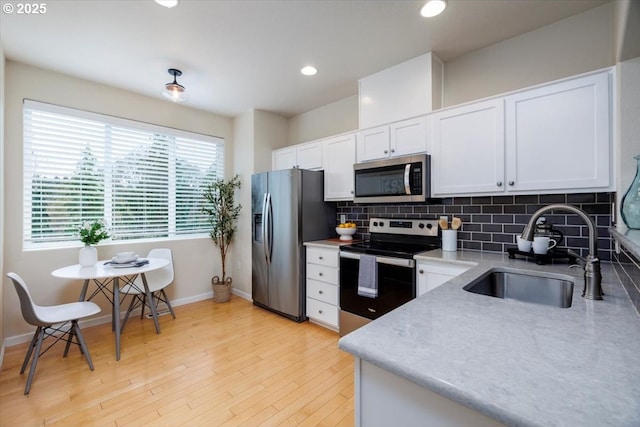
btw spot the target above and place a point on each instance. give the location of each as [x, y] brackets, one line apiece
[494, 361]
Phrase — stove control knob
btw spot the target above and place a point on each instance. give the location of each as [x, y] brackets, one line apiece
[421, 225]
[375, 223]
[429, 226]
[381, 224]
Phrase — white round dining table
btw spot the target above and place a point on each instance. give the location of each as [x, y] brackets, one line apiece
[105, 273]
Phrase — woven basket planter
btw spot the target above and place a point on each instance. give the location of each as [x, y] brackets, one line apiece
[221, 291]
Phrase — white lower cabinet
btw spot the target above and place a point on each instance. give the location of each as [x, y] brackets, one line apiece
[323, 285]
[431, 274]
[384, 399]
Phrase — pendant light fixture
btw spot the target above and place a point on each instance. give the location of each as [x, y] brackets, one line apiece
[173, 90]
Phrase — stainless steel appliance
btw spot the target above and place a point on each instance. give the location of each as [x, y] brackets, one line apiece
[393, 242]
[398, 180]
[287, 208]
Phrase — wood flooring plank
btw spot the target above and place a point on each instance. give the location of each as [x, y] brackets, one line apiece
[228, 364]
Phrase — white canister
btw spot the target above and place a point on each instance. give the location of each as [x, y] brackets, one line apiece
[450, 240]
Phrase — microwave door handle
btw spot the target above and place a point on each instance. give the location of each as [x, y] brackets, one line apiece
[407, 175]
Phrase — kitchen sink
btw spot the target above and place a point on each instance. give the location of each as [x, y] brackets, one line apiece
[533, 288]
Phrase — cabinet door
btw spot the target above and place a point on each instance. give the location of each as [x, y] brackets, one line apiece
[430, 275]
[408, 137]
[372, 144]
[339, 155]
[558, 136]
[309, 155]
[468, 149]
[284, 158]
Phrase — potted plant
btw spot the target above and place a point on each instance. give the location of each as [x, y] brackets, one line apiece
[91, 233]
[222, 214]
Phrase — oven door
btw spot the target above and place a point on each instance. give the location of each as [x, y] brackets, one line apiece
[396, 285]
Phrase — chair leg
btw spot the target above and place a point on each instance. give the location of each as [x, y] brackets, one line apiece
[129, 310]
[69, 340]
[34, 362]
[83, 345]
[142, 298]
[166, 301]
[30, 351]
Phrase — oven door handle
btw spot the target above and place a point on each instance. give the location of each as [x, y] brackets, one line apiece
[398, 262]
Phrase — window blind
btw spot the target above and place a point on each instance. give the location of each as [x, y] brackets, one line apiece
[144, 180]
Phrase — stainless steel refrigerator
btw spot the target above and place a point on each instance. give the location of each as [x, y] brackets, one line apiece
[287, 209]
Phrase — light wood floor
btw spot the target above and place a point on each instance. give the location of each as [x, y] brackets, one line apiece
[215, 365]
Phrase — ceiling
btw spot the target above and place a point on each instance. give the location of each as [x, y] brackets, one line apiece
[241, 55]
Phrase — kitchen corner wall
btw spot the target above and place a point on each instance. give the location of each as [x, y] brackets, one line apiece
[627, 266]
[491, 223]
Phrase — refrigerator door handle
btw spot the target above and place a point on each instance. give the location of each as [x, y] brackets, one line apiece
[268, 227]
[264, 227]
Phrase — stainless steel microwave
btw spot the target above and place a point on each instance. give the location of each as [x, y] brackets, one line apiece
[397, 180]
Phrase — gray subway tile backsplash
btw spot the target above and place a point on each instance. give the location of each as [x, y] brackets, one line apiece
[491, 223]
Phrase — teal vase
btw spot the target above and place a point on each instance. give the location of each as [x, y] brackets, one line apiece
[631, 201]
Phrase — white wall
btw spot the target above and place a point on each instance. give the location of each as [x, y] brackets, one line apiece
[628, 78]
[575, 45]
[257, 133]
[243, 129]
[572, 46]
[331, 119]
[195, 259]
[2, 232]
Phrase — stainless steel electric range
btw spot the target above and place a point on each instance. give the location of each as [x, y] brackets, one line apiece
[393, 243]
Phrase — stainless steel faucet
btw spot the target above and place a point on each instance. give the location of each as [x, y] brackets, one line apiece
[591, 264]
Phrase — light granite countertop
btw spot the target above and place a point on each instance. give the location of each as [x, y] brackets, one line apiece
[519, 363]
[329, 243]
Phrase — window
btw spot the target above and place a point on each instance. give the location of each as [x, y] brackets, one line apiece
[146, 181]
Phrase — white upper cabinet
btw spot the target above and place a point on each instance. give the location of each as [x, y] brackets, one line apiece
[412, 88]
[552, 138]
[397, 139]
[558, 136]
[302, 156]
[284, 158]
[339, 154]
[467, 149]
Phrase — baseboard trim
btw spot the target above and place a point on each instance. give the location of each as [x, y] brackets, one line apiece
[22, 338]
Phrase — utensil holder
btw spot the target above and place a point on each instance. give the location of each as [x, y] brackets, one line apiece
[450, 240]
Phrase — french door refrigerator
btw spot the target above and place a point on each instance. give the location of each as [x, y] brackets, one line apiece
[287, 208]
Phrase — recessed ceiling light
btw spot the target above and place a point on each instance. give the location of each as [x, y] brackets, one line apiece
[309, 70]
[433, 8]
[167, 3]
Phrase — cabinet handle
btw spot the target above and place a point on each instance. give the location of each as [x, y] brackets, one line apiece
[499, 183]
[320, 257]
[393, 150]
[320, 274]
[320, 292]
[421, 271]
[511, 183]
[386, 151]
[351, 191]
[319, 311]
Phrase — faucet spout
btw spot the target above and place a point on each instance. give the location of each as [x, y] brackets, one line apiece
[592, 273]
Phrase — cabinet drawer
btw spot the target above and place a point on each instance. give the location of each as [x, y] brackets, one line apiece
[323, 312]
[323, 256]
[322, 273]
[322, 291]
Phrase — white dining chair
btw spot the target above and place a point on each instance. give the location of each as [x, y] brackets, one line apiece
[157, 281]
[50, 322]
